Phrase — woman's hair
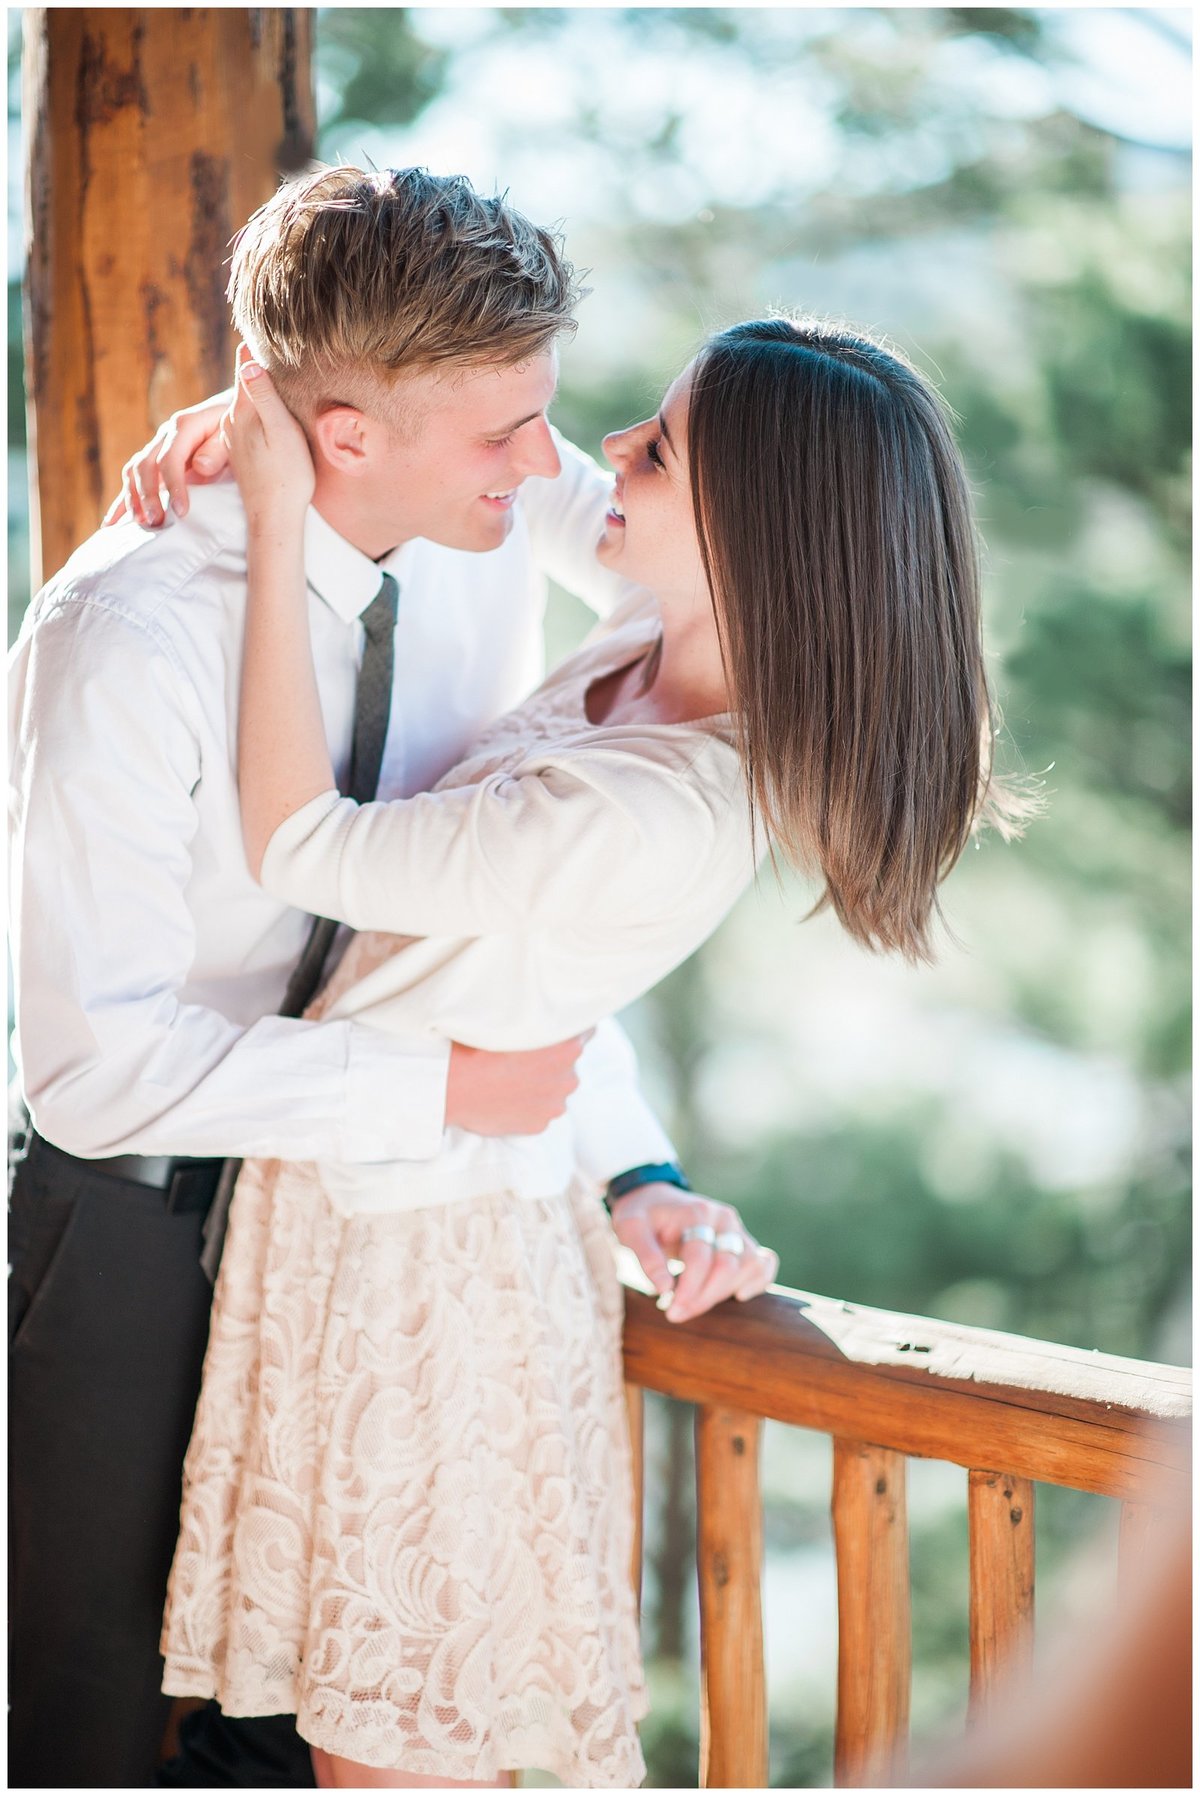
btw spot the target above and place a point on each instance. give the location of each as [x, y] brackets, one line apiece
[836, 531]
[346, 277]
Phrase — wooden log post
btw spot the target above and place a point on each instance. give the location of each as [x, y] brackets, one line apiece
[150, 136]
[1000, 1530]
[635, 1409]
[733, 1690]
[870, 1530]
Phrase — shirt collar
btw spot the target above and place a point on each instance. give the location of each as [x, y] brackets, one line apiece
[341, 575]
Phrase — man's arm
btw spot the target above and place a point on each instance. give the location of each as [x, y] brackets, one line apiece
[104, 767]
[566, 517]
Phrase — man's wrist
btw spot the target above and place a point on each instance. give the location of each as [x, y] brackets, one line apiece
[665, 1172]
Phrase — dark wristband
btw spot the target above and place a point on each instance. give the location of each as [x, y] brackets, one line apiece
[666, 1174]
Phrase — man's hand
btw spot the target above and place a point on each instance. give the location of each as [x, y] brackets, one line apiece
[511, 1094]
[651, 1220]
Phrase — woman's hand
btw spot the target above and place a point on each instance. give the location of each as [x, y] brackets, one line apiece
[185, 450]
[651, 1220]
[267, 450]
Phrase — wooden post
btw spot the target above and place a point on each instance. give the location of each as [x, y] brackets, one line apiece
[150, 137]
[635, 1406]
[870, 1530]
[1000, 1527]
[733, 1690]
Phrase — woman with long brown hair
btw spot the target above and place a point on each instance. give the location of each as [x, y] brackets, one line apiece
[406, 1504]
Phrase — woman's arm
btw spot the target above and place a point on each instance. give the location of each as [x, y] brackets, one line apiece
[187, 449]
[283, 757]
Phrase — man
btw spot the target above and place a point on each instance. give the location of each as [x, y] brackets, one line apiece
[412, 326]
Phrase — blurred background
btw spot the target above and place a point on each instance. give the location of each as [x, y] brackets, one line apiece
[1002, 1139]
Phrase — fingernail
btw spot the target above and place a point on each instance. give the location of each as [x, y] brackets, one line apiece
[664, 1300]
[251, 370]
[204, 463]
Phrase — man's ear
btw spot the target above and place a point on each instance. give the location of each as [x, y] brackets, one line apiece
[341, 436]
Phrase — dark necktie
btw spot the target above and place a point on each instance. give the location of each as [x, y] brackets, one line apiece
[372, 706]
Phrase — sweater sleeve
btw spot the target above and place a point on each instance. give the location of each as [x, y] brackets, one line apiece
[574, 834]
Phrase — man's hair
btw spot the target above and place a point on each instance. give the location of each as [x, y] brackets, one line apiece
[835, 525]
[347, 278]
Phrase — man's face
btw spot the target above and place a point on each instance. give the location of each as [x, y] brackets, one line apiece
[469, 436]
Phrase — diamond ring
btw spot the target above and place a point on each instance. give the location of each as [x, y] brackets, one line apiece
[699, 1231]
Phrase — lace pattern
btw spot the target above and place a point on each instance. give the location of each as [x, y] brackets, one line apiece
[407, 1500]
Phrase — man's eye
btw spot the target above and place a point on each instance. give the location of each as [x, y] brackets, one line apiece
[652, 452]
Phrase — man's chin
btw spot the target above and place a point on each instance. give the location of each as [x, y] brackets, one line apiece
[483, 530]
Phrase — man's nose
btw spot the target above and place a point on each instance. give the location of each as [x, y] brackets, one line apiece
[541, 456]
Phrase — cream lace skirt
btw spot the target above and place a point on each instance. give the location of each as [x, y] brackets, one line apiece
[407, 1500]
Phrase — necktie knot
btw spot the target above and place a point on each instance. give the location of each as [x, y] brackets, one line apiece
[379, 618]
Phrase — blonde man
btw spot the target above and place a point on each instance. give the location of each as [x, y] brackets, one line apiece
[411, 325]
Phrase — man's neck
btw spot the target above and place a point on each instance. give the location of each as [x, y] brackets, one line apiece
[343, 512]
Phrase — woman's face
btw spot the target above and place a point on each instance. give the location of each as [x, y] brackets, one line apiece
[650, 528]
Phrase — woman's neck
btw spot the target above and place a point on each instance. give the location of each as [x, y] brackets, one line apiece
[690, 677]
[680, 680]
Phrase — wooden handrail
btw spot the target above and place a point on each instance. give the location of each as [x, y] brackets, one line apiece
[887, 1386]
[935, 1390]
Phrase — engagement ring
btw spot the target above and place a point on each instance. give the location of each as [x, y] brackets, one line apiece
[730, 1243]
[700, 1231]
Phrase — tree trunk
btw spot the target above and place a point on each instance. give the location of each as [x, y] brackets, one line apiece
[151, 136]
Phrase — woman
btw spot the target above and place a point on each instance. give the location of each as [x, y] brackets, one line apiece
[406, 1509]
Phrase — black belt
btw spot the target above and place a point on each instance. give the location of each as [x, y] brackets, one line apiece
[184, 1184]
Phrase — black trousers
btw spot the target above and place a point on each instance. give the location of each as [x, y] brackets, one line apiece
[108, 1321]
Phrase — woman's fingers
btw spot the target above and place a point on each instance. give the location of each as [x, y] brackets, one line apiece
[716, 1255]
[186, 449]
[144, 481]
[712, 1271]
[259, 388]
[637, 1233]
[760, 1269]
[268, 447]
[196, 445]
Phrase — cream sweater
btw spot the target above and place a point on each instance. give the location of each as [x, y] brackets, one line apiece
[553, 876]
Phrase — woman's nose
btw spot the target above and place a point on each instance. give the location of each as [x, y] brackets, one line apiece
[615, 445]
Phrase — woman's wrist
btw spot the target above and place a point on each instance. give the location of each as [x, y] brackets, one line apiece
[277, 520]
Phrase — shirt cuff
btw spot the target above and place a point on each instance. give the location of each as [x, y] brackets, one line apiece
[395, 1097]
[616, 1129]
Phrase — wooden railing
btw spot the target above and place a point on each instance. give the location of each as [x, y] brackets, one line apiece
[887, 1387]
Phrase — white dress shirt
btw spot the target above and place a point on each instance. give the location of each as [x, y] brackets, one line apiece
[148, 962]
[560, 870]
